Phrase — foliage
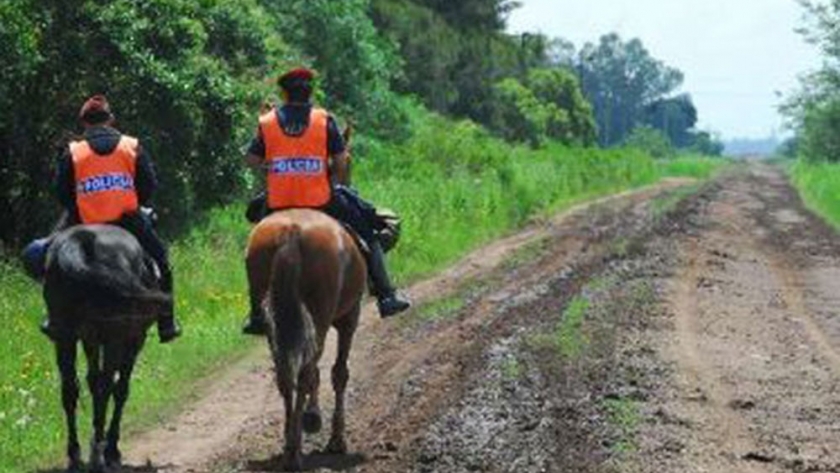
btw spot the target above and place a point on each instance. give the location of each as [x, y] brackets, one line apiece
[676, 118]
[456, 53]
[704, 143]
[819, 186]
[814, 111]
[651, 141]
[183, 76]
[819, 137]
[357, 65]
[549, 107]
[621, 79]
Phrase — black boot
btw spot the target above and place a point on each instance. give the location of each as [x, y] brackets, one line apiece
[387, 300]
[168, 327]
[47, 329]
[254, 324]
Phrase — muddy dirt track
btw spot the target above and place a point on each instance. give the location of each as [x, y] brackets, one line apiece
[654, 331]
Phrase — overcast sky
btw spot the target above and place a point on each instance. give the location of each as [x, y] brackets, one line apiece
[735, 54]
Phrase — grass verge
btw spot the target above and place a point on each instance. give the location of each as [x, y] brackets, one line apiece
[819, 186]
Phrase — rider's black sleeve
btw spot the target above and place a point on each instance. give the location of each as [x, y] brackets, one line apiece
[145, 180]
[65, 181]
[335, 140]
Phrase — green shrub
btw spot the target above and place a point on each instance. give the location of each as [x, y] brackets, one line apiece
[651, 141]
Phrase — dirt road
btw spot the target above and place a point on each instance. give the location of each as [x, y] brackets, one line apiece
[647, 332]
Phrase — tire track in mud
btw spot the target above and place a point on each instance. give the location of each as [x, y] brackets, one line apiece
[235, 424]
[726, 434]
[754, 384]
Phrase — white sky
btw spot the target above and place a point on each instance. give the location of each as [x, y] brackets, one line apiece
[735, 54]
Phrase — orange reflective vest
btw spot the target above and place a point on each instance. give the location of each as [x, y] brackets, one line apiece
[298, 166]
[105, 183]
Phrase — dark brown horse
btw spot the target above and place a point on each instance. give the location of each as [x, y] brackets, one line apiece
[101, 289]
[308, 275]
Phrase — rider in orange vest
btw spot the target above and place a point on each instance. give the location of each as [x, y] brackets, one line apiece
[104, 178]
[303, 154]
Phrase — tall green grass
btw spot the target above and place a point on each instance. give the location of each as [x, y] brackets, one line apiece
[696, 166]
[455, 186]
[819, 186]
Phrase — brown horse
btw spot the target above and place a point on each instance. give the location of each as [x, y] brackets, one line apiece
[306, 272]
[102, 290]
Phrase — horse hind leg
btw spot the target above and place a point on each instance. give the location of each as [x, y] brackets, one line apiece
[100, 382]
[66, 357]
[340, 377]
[113, 456]
[312, 422]
[293, 451]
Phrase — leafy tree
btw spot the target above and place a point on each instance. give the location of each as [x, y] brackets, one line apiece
[819, 137]
[482, 15]
[620, 80]
[186, 77]
[573, 122]
[814, 111]
[550, 105]
[356, 63]
[705, 143]
[455, 52]
[675, 117]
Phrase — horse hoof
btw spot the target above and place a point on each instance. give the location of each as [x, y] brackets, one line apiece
[293, 462]
[75, 466]
[99, 468]
[337, 446]
[312, 422]
[113, 460]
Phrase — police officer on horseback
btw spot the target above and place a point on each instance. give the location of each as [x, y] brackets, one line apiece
[304, 156]
[104, 178]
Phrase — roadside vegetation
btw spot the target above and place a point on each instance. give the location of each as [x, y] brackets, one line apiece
[819, 187]
[814, 114]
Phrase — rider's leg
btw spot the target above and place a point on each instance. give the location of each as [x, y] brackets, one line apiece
[141, 228]
[257, 208]
[35, 256]
[348, 207]
[255, 321]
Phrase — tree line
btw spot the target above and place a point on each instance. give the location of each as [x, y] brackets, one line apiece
[189, 77]
[813, 112]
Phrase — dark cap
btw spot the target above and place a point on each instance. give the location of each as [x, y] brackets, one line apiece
[295, 77]
[95, 110]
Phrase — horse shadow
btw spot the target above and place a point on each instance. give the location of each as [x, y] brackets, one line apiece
[311, 462]
[147, 468]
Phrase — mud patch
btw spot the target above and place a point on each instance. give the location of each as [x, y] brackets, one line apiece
[532, 404]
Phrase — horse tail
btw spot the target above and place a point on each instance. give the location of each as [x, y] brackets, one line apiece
[292, 330]
[111, 283]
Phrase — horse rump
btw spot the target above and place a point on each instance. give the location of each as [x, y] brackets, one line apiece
[104, 269]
